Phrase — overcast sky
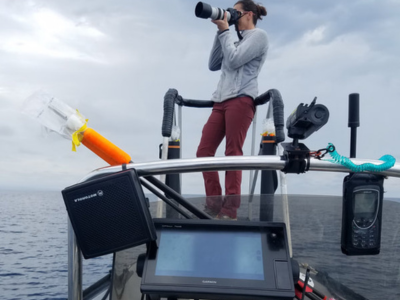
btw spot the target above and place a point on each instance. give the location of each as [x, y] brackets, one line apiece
[115, 60]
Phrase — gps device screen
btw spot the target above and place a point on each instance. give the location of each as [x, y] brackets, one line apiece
[210, 254]
[208, 259]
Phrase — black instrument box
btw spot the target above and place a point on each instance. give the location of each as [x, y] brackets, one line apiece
[109, 214]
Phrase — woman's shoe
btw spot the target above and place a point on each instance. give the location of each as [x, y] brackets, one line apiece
[222, 216]
[212, 213]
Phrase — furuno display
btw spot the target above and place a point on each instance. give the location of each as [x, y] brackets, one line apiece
[362, 214]
[109, 214]
[206, 259]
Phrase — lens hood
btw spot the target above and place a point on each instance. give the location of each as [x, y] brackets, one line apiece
[203, 10]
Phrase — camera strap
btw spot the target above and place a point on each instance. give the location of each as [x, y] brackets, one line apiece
[238, 32]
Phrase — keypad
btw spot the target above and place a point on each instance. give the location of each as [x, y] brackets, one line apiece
[365, 238]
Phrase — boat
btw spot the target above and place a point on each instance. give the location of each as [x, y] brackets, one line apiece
[313, 224]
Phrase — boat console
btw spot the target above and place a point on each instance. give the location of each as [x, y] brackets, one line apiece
[207, 259]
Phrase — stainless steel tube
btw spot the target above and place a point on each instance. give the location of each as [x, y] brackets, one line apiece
[192, 165]
[253, 140]
[266, 162]
[74, 266]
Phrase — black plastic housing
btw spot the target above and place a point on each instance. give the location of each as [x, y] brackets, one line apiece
[297, 158]
[196, 259]
[359, 236]
[306, 119]
[109, 214]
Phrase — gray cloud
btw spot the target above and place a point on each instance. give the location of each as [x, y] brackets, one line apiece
[114, 61]
[6, 131]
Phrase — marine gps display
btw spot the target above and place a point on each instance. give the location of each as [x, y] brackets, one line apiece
[208, 259]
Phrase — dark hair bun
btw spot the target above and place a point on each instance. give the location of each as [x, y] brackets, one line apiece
[262, 11]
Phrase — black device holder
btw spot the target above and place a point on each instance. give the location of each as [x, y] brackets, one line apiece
[350, 182]
[296, 156]
[304, 120]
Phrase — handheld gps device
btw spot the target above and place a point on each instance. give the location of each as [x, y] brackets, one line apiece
[207, 259]
[362, 214]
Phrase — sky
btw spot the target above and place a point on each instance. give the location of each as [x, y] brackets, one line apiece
[115, 60]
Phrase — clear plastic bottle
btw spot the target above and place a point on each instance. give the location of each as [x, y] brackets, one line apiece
[57, 116]
[268, 127]
[53, 113]
[175, 134]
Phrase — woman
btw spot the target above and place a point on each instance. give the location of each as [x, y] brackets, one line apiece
[240, 63]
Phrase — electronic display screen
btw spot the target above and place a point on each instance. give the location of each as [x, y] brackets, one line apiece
[208, 259]
[210, 254]
[365, 202]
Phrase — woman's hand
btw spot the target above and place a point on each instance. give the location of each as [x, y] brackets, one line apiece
[221, 24]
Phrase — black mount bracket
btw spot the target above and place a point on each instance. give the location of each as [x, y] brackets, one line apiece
[297, 157]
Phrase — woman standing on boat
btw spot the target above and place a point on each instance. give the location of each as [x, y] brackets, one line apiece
[240, 63]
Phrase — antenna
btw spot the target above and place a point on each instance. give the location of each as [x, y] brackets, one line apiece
[354, 121]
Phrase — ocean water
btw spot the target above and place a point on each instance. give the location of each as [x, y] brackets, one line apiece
[34, 237]
[34, 246]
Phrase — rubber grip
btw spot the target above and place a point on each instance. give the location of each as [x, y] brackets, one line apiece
[278, 107]
[195, 103]
[263, 98]
[169, 102]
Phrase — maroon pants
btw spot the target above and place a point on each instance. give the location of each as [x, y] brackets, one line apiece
[230, 119]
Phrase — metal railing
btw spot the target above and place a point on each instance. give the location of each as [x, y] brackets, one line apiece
[164, 167]
[171, 99]
[196, 165]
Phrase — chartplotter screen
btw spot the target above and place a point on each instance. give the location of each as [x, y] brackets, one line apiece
[218, 254]
[199, 258]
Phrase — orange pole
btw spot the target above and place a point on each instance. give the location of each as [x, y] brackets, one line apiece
[104, 148]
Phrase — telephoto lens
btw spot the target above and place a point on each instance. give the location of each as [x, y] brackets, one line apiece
[206, 11]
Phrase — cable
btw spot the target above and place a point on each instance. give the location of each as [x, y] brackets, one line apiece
[388, 162]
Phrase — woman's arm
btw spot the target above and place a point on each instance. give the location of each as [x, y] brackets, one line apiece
[214, 62]
[252, 46]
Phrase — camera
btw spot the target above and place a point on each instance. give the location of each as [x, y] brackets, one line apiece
[205, 11]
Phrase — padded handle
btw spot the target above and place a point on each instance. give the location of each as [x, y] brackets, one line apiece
[194, 103]
[169, 101]
[278, 114]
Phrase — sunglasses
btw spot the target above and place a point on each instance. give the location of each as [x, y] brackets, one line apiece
[242, 13]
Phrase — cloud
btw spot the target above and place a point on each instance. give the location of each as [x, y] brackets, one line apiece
[44, 32]
[114, 61]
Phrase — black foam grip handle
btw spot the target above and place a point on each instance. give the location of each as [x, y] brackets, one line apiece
[277, 104]
[168, 117]
[263, 98]
[354, 110]
[194, 103]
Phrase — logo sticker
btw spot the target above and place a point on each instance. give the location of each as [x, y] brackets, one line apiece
[100, 193]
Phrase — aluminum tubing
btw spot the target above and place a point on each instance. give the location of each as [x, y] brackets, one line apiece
[267, 162]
